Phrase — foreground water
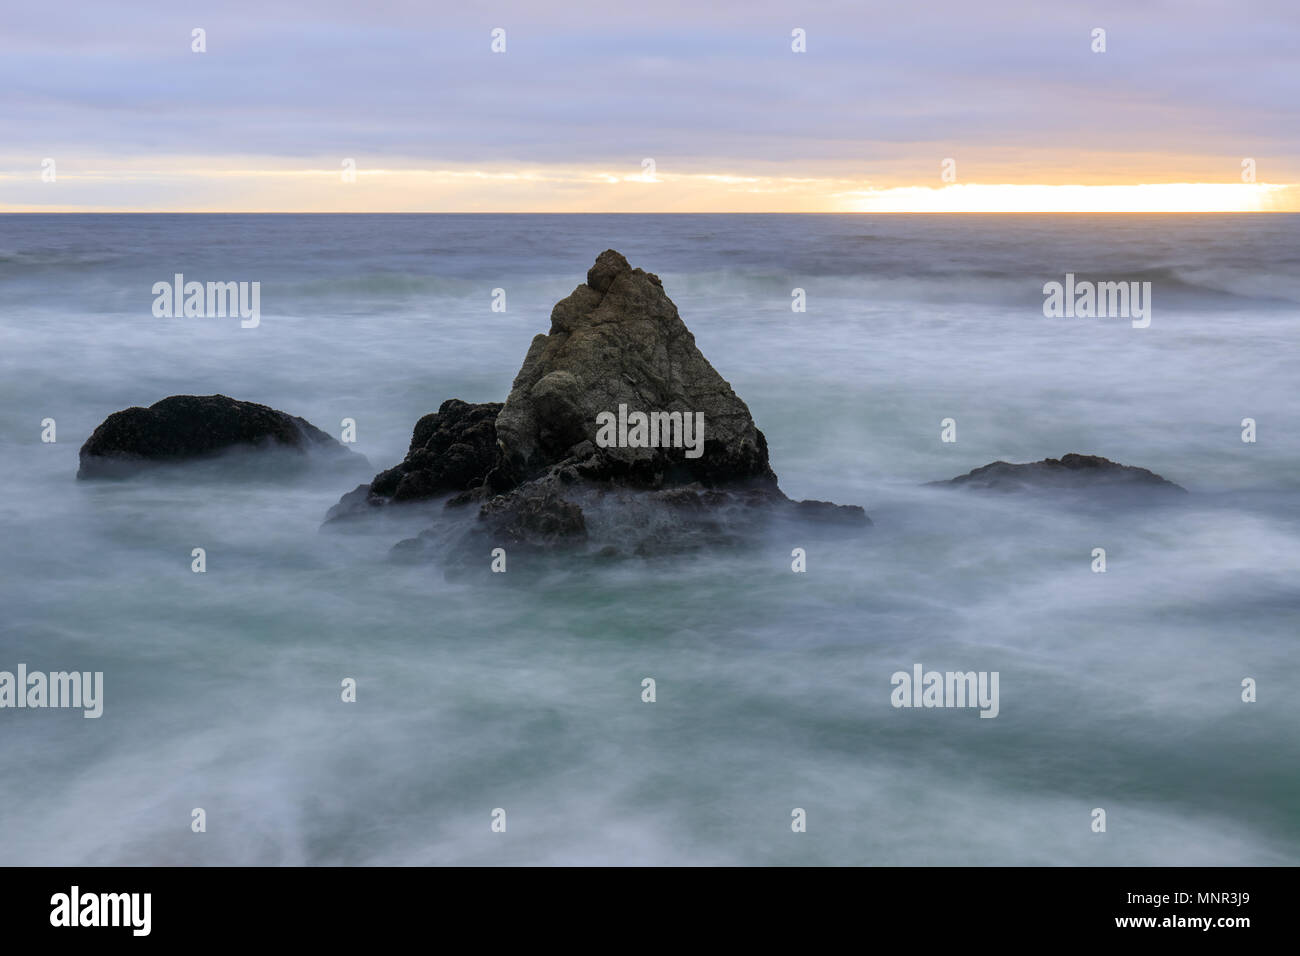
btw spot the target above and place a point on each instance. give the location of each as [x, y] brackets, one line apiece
[1119, 691]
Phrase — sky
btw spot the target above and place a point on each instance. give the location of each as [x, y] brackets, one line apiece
[668, 106]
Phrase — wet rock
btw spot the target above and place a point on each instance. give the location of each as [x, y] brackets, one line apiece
[618, 437]
[617, 347]
[452, 450]
[532, 517]
[827, 512]
[1068, 473]
[191, 427]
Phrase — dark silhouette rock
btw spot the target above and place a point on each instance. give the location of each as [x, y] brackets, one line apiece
[188, 427]
[532, 517]
[547, 514]
[1067, 473]
[825, 511]
[452, 449]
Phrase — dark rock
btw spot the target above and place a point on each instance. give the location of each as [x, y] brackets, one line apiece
[1067, 473]
[825, 511]
[609, 266]
[188, 427]
[618, 340]
[452, 450]
[354, 502]
[537, 468]
[532, 517]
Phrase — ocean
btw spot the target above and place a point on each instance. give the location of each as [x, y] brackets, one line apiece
[519, 698]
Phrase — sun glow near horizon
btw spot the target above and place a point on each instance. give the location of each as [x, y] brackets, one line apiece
[1138, 197]
[197, 184]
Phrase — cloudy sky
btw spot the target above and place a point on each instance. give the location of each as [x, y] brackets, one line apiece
[106, 106]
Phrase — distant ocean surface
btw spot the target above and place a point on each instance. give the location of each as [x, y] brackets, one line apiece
[1119, 691]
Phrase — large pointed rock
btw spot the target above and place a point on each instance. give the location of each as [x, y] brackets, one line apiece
[546, 478]
[617, 340]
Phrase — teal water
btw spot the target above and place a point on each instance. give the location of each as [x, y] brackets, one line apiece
[1118, 690]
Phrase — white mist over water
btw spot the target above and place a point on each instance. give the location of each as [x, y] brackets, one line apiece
[1118, 690]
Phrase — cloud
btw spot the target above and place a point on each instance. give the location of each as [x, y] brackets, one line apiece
[1012, 90]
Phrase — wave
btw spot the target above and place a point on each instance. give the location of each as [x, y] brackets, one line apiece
[55, 259]
[1191, 287]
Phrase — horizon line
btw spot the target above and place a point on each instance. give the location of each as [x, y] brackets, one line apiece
[642, 212]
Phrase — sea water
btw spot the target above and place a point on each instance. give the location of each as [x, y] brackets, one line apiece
[221, 691]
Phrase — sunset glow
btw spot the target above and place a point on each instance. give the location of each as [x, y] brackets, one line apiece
[199, 184]
[1146, 197]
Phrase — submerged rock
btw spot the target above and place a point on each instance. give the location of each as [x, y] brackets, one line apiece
[605, 520]
[189, 427]
[533, 518]
[1067, 473]
[618, 437]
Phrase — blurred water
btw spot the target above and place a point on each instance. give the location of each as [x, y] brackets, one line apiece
[1118, 690]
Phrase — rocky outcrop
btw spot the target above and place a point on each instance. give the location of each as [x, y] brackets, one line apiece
[618, 436]
[1067, 473]
[606, 520]
[617, 347]
[533, 518]
[189, 427]
[452, 449]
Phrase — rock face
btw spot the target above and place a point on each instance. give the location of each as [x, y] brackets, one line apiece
[618, 341]
[452, 449]
[1067, 473]
[565, 462]
[533, 519]
[187, 427]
